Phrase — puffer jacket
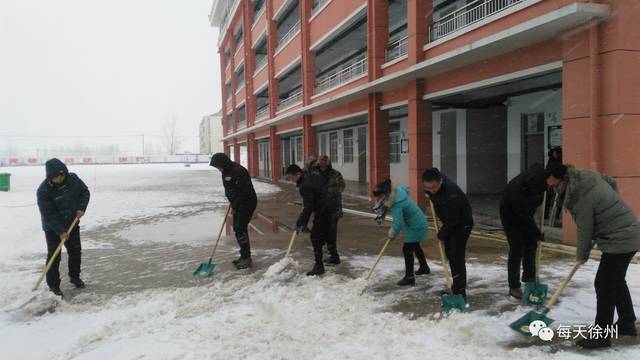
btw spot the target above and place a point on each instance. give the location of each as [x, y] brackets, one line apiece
[335, 187]
[407, 216]
[601, 216]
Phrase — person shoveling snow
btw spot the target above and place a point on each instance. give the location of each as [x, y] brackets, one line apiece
[62, 198]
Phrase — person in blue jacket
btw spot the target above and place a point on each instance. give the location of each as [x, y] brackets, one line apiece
[407, 218]
[62, 197]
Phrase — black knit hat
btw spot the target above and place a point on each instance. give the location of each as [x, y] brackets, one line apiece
[293, 169]
[382, 188]
[557, 170]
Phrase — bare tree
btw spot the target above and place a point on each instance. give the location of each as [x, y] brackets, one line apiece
[171, 139]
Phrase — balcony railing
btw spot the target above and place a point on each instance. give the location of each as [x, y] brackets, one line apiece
[262, 113]
[396, 49]
[318, 5]
[242, 124]
[260, 62]
[288, 36]
[468, 15]
[354, 70]
[257, 15]
[294, 98]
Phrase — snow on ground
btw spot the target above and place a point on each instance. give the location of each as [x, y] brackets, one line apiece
[270, 313]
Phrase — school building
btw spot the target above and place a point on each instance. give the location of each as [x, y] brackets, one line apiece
[481, 89]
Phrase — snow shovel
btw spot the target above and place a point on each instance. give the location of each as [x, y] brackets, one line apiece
[205, 269]
[522, 325]
[450, 302]
[384, 247]
[55, 255]
[535, 293]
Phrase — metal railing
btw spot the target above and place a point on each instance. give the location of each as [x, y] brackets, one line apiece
[396, 49]
[262, 112]
[330, 81]
[294, 98]
[288, 36]
[318, 5]
[467, 15]
[242, 124]
[257, 15]
[260, 62]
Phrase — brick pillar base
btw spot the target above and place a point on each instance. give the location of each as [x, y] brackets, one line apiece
[276, 159]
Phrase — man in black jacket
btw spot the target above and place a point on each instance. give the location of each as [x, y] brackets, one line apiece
[452, 207]
[238, 189]
[520, 199]
[62, 197]
[335, 186]
[314, 201]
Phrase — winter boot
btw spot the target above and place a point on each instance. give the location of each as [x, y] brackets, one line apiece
[56, 290]
[244, 263]
[332, 259]
[318, 269]
[423, 270]
[516, 293]
[407, 281]
[594, 343]
[236, 261]
[77, 282]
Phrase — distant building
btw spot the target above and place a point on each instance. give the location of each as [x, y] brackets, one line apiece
[211, 133]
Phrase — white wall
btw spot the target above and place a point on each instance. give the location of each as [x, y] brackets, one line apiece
[461, 144]
[400, 171]
[549, 102]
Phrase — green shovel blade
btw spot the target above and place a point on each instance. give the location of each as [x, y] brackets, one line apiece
[535, 293]
[522, 325]
[453, 302]
[205, 269]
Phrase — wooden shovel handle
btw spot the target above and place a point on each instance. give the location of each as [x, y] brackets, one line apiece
[539, 248]
[224, 221]
[443, 258]
[564, 284]
[293, 238]
[384, 247]
[55, 255]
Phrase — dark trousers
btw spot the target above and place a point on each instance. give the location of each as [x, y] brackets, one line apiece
[522, 250]
[410, 249]
[74, 251]
[332, 236]
[241, 218]
[455, 247]
[612, 292]
[320, 234]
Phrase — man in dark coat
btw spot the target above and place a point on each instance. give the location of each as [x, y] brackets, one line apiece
[238, 189]
[313, 190]
[335, 186]
[452, 207]
[62, 197]
[603, 219]
[520, 199]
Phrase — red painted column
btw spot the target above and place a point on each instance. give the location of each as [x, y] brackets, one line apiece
[309, 138]
[227, 149]
[308, 75]
[377, 35]
[271, 51]
[252, 155]
[249, 61]
[418, 12]
[419, 128]
[378, 130]
[276, 159]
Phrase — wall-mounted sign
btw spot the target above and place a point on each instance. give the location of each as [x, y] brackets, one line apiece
[404, 146]
[554, 136]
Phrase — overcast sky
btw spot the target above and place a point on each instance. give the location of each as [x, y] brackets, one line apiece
[106, 67]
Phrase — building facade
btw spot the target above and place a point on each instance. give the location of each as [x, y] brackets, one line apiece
[210, 134]
[481, 89]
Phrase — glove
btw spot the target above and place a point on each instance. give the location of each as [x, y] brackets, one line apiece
[391, 234]
[541, 237]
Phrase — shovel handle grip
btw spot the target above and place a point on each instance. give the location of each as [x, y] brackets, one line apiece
[55, 255]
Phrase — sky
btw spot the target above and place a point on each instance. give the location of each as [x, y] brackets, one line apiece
[95, 67]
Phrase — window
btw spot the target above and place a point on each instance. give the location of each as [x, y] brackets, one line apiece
[258, 6]
[299, 149]
[240, 78]
[238, 38]
[228, 91]
[394, 142]
[333, 146]
[347, 149]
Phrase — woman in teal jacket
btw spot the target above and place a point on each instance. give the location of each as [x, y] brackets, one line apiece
[407, 218]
